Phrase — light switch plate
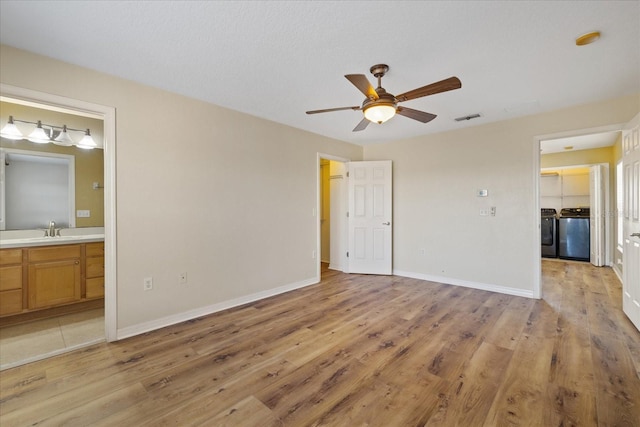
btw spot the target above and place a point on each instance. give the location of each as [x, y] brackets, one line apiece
[483, 193]
[83, 213]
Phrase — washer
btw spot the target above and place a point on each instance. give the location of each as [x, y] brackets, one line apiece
[549, 233]
[574, 234]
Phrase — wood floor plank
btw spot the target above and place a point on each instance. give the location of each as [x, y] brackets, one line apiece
[617, 385]
[520, 401]
[249, 411]
[359, 350]
[507, 330]
[471, 395]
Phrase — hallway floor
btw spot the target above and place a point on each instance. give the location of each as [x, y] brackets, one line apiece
[28, 342]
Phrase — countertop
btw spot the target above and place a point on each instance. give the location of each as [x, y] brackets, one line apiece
[27, 238]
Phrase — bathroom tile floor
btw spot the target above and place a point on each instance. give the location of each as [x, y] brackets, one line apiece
[28, 342]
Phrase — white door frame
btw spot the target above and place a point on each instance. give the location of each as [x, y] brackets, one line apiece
[320, 156]
[108, 115]
[537, 278]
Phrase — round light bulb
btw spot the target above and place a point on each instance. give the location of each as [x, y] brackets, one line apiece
[380, 113]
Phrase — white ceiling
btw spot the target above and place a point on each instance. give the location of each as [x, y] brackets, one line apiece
[278, 59]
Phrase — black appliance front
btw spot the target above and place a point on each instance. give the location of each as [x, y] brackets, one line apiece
[549, 233]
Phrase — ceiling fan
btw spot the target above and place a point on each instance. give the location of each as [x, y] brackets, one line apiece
[380, 105]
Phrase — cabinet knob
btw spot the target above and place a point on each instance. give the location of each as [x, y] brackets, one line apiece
[77, 262]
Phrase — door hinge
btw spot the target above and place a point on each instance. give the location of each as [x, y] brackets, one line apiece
[347, 214]
[347, 254]
[347, 174]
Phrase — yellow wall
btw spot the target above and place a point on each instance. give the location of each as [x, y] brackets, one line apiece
[89, 164]
[579, 157]
[325, 205]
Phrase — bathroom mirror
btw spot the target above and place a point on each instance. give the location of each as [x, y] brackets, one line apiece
[37, 188]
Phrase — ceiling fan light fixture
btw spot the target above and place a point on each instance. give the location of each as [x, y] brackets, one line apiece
[379, 113]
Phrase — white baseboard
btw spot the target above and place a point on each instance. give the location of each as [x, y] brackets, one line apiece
[467, 284]
[152, 325]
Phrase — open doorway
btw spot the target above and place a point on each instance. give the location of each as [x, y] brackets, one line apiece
[101, 190]
[576, 178]
[332, 213]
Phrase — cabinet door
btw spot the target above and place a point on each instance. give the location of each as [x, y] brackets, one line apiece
[53, 283]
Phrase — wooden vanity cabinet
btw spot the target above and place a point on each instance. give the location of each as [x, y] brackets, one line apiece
[10, 281]
[37, 280]
[94, 275]
[55, 276]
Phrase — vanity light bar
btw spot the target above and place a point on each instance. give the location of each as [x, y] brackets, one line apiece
[44, 133]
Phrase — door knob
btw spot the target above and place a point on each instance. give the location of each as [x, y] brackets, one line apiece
[386, 223]
[635, 234]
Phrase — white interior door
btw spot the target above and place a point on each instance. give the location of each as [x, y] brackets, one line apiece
[370, 223]
[631, 221]
[597, 223]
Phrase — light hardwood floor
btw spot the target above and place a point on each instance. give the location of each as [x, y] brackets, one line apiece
[359, 350]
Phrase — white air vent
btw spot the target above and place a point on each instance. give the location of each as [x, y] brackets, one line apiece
[469, 117]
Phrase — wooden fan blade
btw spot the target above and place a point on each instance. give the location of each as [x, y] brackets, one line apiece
[442, 86]
[362, 125]
[362, 83]
[327, 110]
[420, 116]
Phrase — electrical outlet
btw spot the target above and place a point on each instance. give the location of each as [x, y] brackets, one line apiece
[148, 283]
[182, 278]
[484, 212]
[84, 213]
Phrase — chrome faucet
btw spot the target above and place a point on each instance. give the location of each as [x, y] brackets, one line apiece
[52, 229]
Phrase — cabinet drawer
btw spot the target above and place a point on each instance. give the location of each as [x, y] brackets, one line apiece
[95, 249]
[10, 278]
[95, 287]
[10, 302]
[95, 267]
[10, 256]
[53, 253]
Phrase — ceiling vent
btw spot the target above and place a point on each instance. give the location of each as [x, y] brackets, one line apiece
[469, 117]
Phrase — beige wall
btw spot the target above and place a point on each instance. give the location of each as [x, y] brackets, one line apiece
[229, 198]
[89, 164]
[226, 197]
[435, 204]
